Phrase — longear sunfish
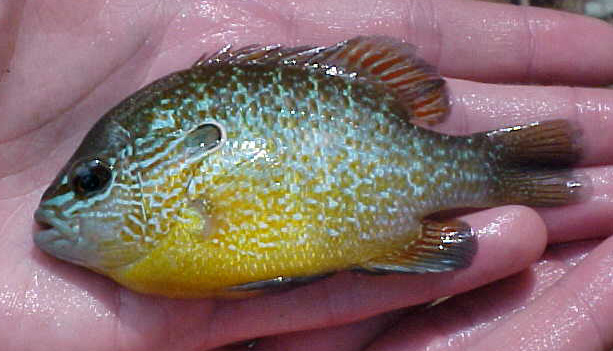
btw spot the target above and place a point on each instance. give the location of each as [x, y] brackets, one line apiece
[267, 167]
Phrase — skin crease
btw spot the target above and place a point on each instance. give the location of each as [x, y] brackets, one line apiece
[69, 61]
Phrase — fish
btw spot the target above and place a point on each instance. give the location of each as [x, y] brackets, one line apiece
[265, 168]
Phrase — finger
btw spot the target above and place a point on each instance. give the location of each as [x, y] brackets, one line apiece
[496, 43]
[467, 39]
[480, 107]
[9, 25]
[460, 322]
[509, 237]
[350, 337]
[576, 313]
[591, 218]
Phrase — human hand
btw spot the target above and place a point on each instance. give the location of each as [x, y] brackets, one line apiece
[70, 61]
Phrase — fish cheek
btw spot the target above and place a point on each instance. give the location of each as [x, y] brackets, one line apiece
[176, 266]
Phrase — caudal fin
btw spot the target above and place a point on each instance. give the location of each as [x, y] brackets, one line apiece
[550, 143]
[534, 164]
[543, 188]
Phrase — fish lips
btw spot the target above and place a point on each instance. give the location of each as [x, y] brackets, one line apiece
[57, 238]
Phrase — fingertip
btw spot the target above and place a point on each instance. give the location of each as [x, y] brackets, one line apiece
[573, 311]
[510, 236]
[591, 216]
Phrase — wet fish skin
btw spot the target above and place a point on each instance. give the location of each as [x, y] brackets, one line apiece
[272, 162]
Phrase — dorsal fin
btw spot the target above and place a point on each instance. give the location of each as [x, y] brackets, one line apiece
[395, 64]
[376, 58]
[256, 54]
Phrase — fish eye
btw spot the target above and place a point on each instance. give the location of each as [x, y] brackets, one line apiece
[90, 177]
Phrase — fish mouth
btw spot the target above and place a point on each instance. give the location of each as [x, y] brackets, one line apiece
[56, 238]
[47, 220]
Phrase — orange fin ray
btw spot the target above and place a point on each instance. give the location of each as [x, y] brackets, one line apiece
[395, 64]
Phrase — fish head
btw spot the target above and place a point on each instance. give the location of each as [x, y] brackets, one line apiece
[81, 217]
[92, 214]
[122, 192]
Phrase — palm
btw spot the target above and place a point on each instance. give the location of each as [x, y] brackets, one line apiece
[70, 61]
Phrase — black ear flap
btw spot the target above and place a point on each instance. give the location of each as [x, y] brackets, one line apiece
[204, 139]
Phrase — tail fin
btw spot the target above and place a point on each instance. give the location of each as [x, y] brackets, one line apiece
[543, 188]
[533, 164]
[550, 143]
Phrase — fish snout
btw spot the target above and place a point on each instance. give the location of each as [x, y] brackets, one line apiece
[56, 236]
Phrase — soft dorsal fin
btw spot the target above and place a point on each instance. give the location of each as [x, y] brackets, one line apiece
[375, 58]
[395, 64]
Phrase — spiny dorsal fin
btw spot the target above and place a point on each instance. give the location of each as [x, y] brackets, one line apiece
[396, 65]
[256, 54]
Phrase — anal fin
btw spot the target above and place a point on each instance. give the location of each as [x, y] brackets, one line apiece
[442, 246]
[276, 284]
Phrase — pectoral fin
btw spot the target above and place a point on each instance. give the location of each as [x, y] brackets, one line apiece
[442, 246]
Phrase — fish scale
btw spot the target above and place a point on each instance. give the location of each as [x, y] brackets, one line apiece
[267, 167]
